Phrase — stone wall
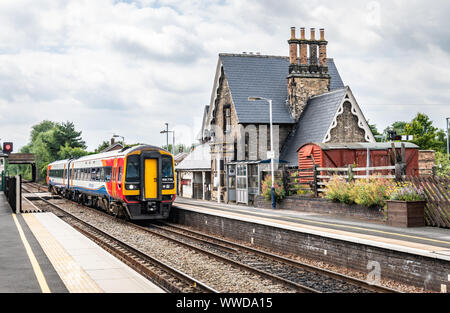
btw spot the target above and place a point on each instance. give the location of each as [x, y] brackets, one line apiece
[347, 129]
[422, 271]
[323, 206]
[300, 89]
[427, 159]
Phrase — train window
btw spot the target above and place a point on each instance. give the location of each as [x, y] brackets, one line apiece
[108, 173]
[132, 173]
[102, 174]
[167, 169]
[93, 174]
[119, 179]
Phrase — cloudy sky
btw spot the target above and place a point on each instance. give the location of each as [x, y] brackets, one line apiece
[128, 67]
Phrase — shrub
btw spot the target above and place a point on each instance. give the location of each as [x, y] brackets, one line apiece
[339, 190]
[374, 192]
[280, 193]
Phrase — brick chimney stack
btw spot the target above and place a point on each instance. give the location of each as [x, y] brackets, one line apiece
[303, 48]
[293, 47]
[306, 79]
[323, 49]
[313, 50]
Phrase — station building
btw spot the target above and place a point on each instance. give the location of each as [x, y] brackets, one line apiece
[310, 103]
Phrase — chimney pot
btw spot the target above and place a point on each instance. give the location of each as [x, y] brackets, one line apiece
[302, 33]
[292, 32]
[322, 34]
[313, 34]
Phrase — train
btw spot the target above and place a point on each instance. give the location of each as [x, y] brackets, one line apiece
[136, 183]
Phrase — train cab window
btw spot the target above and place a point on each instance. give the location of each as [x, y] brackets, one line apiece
[108, 173]
[132, 174]
[167, 169]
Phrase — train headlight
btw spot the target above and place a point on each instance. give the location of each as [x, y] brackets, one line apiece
[167, 186]
[132, 186]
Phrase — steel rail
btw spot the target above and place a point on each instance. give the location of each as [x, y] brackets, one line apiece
[290, 262]
[272, 277]
[137, 259]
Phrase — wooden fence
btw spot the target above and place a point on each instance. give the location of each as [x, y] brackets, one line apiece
[437, 194]
[314, 179]
[436, 189]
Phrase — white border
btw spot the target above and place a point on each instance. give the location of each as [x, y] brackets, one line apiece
[355, 110]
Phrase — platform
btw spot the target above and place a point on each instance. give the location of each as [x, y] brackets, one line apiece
[42, 253]
[426, 241]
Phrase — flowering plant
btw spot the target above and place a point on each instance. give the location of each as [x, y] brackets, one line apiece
[407, 192]
[280, 193]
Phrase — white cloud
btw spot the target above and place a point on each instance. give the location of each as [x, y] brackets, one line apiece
[130, 66]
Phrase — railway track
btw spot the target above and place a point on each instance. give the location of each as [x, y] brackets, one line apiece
[165, 276]
[283, 267]
[299, 277]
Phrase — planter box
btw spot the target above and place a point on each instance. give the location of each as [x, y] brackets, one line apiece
[406, 213]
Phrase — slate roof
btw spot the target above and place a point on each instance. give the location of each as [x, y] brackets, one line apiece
[263, 76]
[313, 123]
[198, 159]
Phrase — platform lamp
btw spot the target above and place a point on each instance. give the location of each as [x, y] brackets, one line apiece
[272, 153]
[118, 136]
[167, 131]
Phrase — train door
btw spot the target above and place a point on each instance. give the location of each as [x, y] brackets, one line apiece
[151, 178]
[117, 178]
[71, 176]
[64, 177]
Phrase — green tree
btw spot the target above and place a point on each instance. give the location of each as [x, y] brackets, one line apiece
[426, 136]
[51, 141]
[373, 128]
[66, 133]
[399, 127]
[105, 144]
[41, 128]
[68, 152]
[442, 164]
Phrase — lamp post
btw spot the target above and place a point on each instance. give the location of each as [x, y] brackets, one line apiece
[272, 153]
[123, 138]
[167, 131]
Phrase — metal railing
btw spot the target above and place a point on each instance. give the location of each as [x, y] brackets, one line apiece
[13, 192]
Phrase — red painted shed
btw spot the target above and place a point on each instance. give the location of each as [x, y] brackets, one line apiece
[344, 154]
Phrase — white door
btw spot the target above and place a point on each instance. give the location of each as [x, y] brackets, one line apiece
[241, 184]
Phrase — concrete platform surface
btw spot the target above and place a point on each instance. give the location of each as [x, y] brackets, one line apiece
[427, 241]
[24, 266]
[82, 265]
[41, 253]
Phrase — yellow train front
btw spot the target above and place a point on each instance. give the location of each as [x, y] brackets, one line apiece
[148, 183]
[137, 183]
